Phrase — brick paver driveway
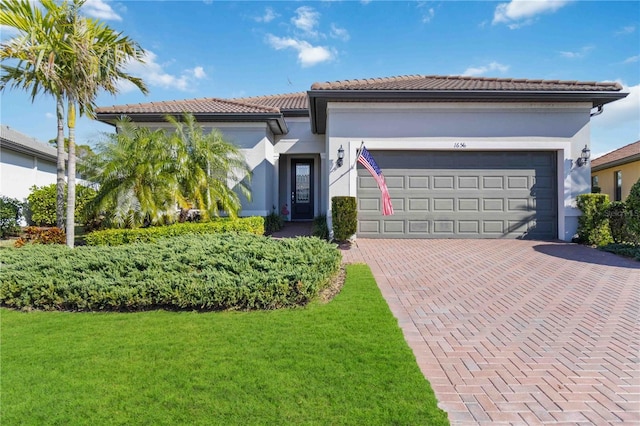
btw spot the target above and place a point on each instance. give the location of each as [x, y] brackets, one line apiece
[518, 332]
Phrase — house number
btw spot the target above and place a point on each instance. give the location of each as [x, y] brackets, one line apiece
[459, 145]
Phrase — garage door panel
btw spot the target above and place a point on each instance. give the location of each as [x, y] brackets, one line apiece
[461, 195]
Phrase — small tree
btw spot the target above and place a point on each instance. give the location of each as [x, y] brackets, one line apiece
[10, 213]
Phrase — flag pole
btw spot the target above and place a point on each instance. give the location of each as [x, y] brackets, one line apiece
[358, 151]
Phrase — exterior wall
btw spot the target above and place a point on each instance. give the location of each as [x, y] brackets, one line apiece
[630, 175]
[559, 127]
[20, 171]
[300, 142]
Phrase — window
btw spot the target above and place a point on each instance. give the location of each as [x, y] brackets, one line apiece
[617, 183]
[594, 181]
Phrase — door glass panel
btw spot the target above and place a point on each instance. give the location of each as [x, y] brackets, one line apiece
[303, 181]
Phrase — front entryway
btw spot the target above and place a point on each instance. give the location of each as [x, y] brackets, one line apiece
[302, 190]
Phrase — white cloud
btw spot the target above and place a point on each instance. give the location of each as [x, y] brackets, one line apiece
[49, 115]
[198, 72]
[518, 13]
[365, 2]
[629, 29]
[339, 33]
[269, 15]
[631, 60]
[621, 112]
[153, 74]
[306, 19]
[308, 55]
[577, 55]
[101, 10]
[493, 66]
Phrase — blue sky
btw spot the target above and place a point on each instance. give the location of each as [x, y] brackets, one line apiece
[234, 49]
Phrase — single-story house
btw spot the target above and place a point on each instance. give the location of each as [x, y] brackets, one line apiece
[24, 162]
[616, 172]
[463, 157]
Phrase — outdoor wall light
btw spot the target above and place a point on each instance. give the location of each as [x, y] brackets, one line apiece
[340, 156]
[584, 157]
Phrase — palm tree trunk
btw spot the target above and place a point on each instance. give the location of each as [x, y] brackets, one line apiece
[60, 164]
[71, 177]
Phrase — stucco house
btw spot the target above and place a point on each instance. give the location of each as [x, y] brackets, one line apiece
[616, 172]
[24, 162]
[463, 157]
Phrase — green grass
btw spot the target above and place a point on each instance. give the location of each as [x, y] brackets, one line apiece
[342, 363]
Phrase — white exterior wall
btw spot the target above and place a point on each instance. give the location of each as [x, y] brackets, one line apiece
[20, 171]
[560, 127]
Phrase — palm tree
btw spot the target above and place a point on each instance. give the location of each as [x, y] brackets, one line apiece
[210, 168]
[82, 56]
[34, 49]
[136, 173]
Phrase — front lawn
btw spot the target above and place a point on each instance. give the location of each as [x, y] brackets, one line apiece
[341, 363]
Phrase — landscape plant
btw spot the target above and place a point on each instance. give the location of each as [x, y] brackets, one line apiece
[344, 215]
[593, 224]
[10, 214]
[194, 272]
[320, 228]
[345, 362]
[41, 204]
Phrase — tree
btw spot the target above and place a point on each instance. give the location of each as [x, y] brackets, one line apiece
[144, 174]
[210, 169]
[83, 56]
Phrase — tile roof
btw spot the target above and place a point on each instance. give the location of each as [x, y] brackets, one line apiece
[196, 106]
[288, 101]
[433, 82]
[631, 151]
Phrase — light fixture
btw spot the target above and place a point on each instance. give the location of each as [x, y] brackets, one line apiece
[340, 156]
[584, 157]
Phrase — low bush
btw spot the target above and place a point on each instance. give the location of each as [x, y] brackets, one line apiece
[203, 272]
[114, 237]
[344, 215]
[41, 235]
[273, 222]
[633, 208]
[10, 213]
[618, 216]
[593, 225]
[623, 249]
[41, 203]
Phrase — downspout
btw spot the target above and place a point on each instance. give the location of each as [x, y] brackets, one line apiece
[598, 111]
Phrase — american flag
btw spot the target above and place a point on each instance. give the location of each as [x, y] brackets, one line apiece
[370, 164]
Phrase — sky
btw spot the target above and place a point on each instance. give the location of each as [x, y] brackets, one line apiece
[225, 49]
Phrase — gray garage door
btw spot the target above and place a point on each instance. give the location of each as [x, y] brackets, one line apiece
[461, 194]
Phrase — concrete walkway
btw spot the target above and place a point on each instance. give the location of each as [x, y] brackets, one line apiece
[516, 332]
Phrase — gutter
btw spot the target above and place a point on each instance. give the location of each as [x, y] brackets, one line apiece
[275, 121]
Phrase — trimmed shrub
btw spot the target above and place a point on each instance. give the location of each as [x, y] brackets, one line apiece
[618, 216]
[42, 204]
[201, 272]
[344, 215]
[273, 222]
[114, 237]
[320, 228]
[593, 225]
[10, 212]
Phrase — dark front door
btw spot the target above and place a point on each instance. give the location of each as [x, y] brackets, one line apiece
[301, 189]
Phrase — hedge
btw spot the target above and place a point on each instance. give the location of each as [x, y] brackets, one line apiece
[195, 272]
[114, 237]
[344, 215]
[593, 225]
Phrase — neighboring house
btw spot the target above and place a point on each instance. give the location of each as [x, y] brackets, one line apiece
[24, 162]
[463, 157]
[616, 172]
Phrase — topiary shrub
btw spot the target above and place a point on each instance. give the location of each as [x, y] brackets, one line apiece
[344, 215]
[320, 228]
[633, 209]
[593, 225]
[10, 212]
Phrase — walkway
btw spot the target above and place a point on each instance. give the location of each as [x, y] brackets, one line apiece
[516, 332]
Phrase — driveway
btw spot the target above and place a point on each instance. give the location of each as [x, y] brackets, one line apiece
[516, 332]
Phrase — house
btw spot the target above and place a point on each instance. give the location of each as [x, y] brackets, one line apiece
[616, 172]
[463, 157]
[24, 162]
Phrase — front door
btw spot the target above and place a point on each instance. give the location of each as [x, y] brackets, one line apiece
[301, 189]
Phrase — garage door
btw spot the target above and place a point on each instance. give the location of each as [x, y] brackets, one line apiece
[442, 194]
